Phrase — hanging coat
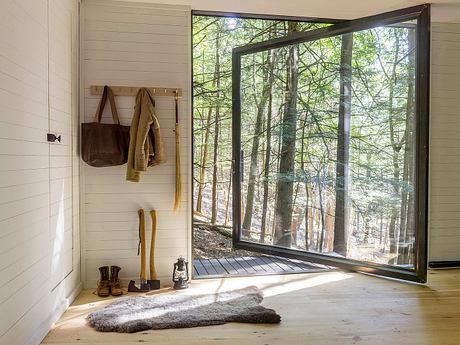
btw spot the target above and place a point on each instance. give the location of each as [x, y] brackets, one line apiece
[146, 145]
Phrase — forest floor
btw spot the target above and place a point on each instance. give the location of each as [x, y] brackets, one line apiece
[213, 241]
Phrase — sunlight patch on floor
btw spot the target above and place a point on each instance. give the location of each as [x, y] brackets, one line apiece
[270, 284]
[308, 282]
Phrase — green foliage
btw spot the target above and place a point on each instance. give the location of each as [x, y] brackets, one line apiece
[381, 138]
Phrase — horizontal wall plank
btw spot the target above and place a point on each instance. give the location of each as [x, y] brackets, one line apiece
[115, 55]
[103, 9]
[26, 245]
[163, 245]
[18, 177]
[18, 147]
[161, 18]
[135, 47]
[22, 191]
[136, 66]
[132, 234]
[166, 253]
[19, 207]
[151, 27]
[106, 224]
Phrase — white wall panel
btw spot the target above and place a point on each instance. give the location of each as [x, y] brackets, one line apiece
[444, 241]
[136, 45]
[39, 266]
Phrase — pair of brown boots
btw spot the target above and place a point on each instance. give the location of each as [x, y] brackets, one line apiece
[109, 284]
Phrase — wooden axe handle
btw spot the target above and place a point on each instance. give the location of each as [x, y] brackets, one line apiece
[142, 238]
[153, 272]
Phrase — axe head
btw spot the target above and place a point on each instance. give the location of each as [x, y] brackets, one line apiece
[144, 287]
[154, 284]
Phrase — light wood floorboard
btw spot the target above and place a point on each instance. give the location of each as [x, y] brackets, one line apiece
[333, 308]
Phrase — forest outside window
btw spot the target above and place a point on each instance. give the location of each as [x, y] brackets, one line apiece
[330, 133]
[214, 37]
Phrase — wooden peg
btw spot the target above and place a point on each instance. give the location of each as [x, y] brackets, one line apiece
[132, 91]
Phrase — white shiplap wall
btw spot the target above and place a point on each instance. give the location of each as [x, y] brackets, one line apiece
[136, 45]
[39, 243]
[445, 143]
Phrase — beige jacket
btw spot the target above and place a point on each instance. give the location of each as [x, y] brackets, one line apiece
[145, 145]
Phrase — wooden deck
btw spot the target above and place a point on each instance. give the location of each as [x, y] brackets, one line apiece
[252, 265]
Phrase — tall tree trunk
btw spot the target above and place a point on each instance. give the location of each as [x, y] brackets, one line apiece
[214, 200]
[410, 228]
[311, 224]
[307, 213]
[322, 216]
[343, 148]
[204, 158]
[246, 226]
[305, 176]
[396, 145]
[268, 136]
[227, 204]
[366, 227]
[278, 162]
[297, 217]
[286, 170]
[407, 211]
[216, 135]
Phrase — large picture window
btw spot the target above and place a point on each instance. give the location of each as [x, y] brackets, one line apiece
[330, 129]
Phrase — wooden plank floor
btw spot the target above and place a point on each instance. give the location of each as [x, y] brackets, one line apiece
[251, 265]
[329, 308]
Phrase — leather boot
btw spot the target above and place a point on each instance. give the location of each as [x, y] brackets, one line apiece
[115, 285]
[103, 286]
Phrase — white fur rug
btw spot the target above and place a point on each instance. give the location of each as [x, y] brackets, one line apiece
[141, 313]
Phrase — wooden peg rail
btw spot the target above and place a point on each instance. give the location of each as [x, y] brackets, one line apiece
[132, 91]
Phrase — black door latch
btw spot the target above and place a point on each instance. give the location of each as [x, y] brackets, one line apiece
[52, 137]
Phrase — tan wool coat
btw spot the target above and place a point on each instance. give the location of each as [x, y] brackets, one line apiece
[146, 145]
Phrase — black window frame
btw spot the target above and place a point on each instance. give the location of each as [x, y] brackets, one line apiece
[419, 13]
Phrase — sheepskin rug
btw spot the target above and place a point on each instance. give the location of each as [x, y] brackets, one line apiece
[140, 313]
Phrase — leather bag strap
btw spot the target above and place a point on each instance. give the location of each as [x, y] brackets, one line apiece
[107, 93]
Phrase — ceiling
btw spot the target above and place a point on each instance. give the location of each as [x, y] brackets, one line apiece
[442, 10]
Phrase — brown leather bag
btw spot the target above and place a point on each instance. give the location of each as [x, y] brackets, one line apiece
[105, 144]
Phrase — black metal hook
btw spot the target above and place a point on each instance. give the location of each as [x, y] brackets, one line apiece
[53, 137]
